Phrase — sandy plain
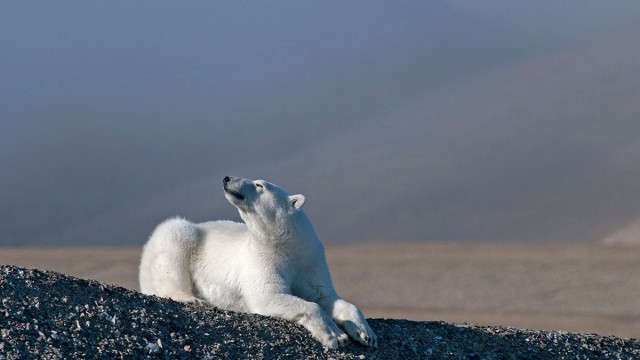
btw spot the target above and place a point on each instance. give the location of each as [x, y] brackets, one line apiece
[576, 288]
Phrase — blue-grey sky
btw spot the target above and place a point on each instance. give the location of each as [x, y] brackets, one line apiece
[440, 120]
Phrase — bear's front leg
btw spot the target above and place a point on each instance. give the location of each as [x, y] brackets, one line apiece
[316, 286]
[308, 314]
[354, 323]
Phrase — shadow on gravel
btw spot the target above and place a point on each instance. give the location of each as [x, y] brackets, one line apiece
[49, 315]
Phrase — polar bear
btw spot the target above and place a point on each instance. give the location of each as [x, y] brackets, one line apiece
[273, 264]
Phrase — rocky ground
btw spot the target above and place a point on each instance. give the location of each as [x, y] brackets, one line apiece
[47, 315]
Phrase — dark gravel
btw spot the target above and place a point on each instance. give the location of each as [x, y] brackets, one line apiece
[47, 315]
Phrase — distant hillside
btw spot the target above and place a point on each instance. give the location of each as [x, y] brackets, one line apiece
[625, 235]
[545, 150]
[47, 315]
[542, 150]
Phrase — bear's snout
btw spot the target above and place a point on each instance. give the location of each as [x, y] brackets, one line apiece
[230, 187]
[228, 180]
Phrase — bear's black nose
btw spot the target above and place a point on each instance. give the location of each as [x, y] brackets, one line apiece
[226, 179]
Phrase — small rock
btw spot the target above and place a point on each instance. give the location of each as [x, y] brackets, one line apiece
[153, 347]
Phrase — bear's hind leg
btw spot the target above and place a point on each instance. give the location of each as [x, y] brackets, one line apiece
[165, 268]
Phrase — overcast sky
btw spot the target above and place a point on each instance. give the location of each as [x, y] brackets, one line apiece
[418, 120]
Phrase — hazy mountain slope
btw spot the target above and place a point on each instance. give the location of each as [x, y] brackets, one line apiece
[543, 150]
[627, 234]
[103, 109]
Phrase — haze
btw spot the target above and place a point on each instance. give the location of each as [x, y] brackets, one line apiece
[399, 121]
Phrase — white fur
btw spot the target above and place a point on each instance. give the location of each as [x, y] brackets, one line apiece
[273, 265]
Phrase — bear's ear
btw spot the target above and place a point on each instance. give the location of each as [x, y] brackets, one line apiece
[296, 201]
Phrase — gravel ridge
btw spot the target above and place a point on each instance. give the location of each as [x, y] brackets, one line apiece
[47, 315]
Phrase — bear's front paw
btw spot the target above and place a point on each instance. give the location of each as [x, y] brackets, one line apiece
[354, 323]
[326, 332]
[361, 332]
[334, 339]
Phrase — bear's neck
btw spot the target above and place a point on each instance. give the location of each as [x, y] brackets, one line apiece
[295, 233]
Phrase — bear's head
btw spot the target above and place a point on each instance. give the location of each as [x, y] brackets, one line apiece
[265, 208]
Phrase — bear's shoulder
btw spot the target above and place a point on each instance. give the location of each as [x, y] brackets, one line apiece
[227, 226]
